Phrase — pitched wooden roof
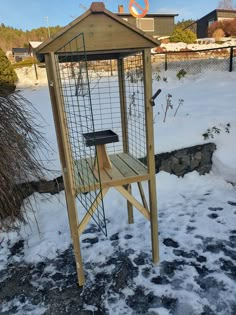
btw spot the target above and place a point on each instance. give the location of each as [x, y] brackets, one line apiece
[104, 33]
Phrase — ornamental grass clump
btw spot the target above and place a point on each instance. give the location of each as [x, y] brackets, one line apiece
[20, 142]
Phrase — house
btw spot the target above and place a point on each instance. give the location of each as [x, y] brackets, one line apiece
[32, 46]
[200, 27]
[156, 25]
[20, 54]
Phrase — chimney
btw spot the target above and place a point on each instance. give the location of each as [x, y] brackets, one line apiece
[121, 9]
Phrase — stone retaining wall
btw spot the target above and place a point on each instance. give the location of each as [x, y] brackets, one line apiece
[179, 162]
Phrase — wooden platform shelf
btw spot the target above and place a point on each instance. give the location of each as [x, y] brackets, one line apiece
[125, 170]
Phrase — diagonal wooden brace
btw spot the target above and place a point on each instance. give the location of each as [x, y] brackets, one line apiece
[91, 210]
[132, 200]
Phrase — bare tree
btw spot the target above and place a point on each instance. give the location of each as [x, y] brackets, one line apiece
[226, 4]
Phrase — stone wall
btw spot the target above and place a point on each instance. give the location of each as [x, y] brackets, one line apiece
[179, 162]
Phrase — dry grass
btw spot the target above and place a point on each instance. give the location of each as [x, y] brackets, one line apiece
[20, 142]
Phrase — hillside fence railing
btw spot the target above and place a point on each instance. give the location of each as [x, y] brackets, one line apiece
[196, 61]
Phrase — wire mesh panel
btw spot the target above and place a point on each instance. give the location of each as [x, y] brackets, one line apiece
[74, 85]
[104, 85]
[135, 107]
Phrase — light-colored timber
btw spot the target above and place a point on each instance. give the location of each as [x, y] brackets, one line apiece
[66, 162]
[125, 170]
[150, 153]
[87, 217]
[136, 203]
[91, 38]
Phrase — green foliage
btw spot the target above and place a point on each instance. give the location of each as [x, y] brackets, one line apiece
[184, 23]
[157, 76]
[25, 63]
[181, 74]
[185, 36]
[8, 76]
[13, 38]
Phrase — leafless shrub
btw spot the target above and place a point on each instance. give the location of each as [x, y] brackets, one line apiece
[20, 143]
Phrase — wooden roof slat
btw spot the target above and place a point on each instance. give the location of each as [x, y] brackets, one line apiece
[103, 31]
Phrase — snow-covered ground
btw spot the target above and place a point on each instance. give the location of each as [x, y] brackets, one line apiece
[181, 45]
[197, 272]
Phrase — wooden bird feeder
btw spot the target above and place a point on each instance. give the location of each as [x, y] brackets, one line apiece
[100, 81]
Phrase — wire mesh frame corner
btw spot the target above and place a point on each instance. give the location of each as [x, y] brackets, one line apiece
[74, 86]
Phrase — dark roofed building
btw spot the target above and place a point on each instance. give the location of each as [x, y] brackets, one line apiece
[201, 25]
[156, 25]
[20, 54]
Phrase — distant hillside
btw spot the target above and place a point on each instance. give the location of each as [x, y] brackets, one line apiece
[11, 37]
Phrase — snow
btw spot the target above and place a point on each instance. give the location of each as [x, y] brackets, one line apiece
[181, 45]
[23, 308]
[185, 204]
[184, 208]
[27, 77]
[208, 102]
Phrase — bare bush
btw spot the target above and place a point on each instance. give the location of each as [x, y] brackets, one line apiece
[227, 26]
[218, 34]
[226, 4]
[20, 141]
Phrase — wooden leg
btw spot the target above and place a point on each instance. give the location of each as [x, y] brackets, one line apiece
[130, 206]
[154, 222]
[142, 194]
[73, 218]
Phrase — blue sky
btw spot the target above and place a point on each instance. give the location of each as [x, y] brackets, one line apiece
[31, 13]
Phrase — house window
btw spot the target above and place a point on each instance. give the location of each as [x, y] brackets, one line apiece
[210, 22]
[145, 24]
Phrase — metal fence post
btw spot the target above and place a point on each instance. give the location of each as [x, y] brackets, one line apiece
[231, 59]
[166, 62]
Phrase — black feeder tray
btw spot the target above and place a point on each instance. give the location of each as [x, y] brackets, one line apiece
[100, 137]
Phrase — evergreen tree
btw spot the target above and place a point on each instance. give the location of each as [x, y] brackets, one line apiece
[8, 76]
[185, 36]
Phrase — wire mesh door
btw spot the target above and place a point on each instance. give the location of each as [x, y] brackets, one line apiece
[74, 86]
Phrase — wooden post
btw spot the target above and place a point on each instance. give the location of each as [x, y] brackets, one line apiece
[150, 152]
[124, 122]
[36, 72]
[231, 59]
[65, 158]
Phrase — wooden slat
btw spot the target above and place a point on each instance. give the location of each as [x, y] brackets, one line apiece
[120, 174]
[85, 168]
[99, 31]
[136, 203]
[134, 164]
[114, 173]
[121, 166]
